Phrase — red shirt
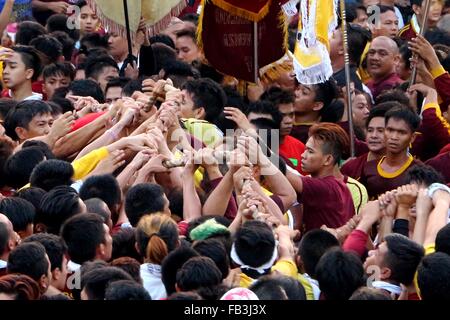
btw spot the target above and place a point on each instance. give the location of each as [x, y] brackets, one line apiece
[80, 123]
[292, 150]
[326, 201]
[389, 82]
[354, 168]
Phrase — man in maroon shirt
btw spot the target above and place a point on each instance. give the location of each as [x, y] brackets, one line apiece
[388, 173]
[382, 59]
[326, 200]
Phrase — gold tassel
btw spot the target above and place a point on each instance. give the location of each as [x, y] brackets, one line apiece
[254, 17]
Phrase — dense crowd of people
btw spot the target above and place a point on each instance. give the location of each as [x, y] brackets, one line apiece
[160, 178]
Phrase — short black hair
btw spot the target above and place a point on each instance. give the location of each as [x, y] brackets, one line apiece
[19, 166]
[95, 282]
[214, 249]
[207, 94]
[392, 96]
[172, 263]
[68, 44]
[326, 93]
[365, 293]
[405, 114]
[198, 272]
[104, 187]
[54, 246]
[95, 65]
[187, 32]
[131, 87]
[33, 195]
[278, 96]
[162, 38]
[278, 287]
[58, 205]
[130, 266]
[64, 69]
[19, 211]
[190, 17]
[6, 104]
[29, 259]
[31, 58]
[178, 72]
[6, 151]
[52, 173]
[87, 88]
[443, 240]
[142, 199]
[402, 258]
[379, 111]
[83, 233]
[22, 114]
[117, 82]
[163, 54]
[265, 107]
[358, 37]
[126, 290]
[124, 244]
[313, 246]
[434, 277]
[254, 243]
[422, 173]
[27, 31]
[65, 104]
[44, 147]
[339, 274]
[49, 47]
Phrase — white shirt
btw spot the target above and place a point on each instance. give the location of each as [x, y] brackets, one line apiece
[151, 277]
[72, 266]
[401, 24]
[3, 264]
[34, 96]
[314, 285]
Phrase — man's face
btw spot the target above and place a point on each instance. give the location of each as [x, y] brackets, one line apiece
[108, 244]
[360, 109]
[88, 20]
[54, 82]
[187, 49]
[313, 158]
[287, 110]
[113, 94]
[186, 106]
[398, 136]
[106, 75]
[15, 72]
[361, 18]
[336, 49]
[117, 46]
[434, 14]
[38, 126]
[388, 25]
[375, 135]
[381, 58]
[60, 283]
[305, 96]
[376, 257]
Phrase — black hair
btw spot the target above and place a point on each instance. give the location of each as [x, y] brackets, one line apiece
[58, 205]
[67, 42]
[33, 195]
[117, 82]
[443, 240]
[131, 87]
[187, 32]
[278, 96]
[339, 274]
[392, 97]
[214, 249]
[27, 31]
[64, 69]
[406, 55]
[58, 23]
[65, 104]
[162, 38]
[56, 109]
[19, 211]
[358, 37]
[87, 88]
[4, 237]
[93, 40]
[130, 266]
[54, 246]
[172, 263]
[198, 272]
[124, 244]
[49, 47]
[29, 259]
[207, 94]
[126, 290]
[334, 112]
[175, 197]
[265, 107]
[278, 287]
[185, 296]
[207, 71]
[6, 104]
[190, 17]
[365, 293]
[434, 277]
[95, 65]
[402, 258]
[178, 72]
[6, 151]
[163, 54]
[378, 111]
[19, 166]
[104, 187]
[22, 114]
[52, 173]
[422, 173]
[254, 243]
[326, 92]
[405, 114]
[96, 205]
[313, 246]
[142, 199]
[41, 145]
[95, 282]
[437, 36]
[83, 233]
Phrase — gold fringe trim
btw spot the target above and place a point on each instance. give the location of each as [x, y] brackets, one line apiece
[255, 17]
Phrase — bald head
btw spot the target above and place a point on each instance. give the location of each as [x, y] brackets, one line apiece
[7, 235]
[4, 219]
[385, 42]
[382, 58]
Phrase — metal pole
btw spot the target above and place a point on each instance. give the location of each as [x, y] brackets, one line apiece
[423, 28]
[347, 79]
[127, 26]
[255, 51]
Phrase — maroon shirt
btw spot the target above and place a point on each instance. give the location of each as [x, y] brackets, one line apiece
[354, 168]
[389, 82]
[441, 163]
[326, 201]
[407, 32]
[301, 131]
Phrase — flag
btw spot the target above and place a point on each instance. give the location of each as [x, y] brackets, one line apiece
[156, 13]
[311, 55]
